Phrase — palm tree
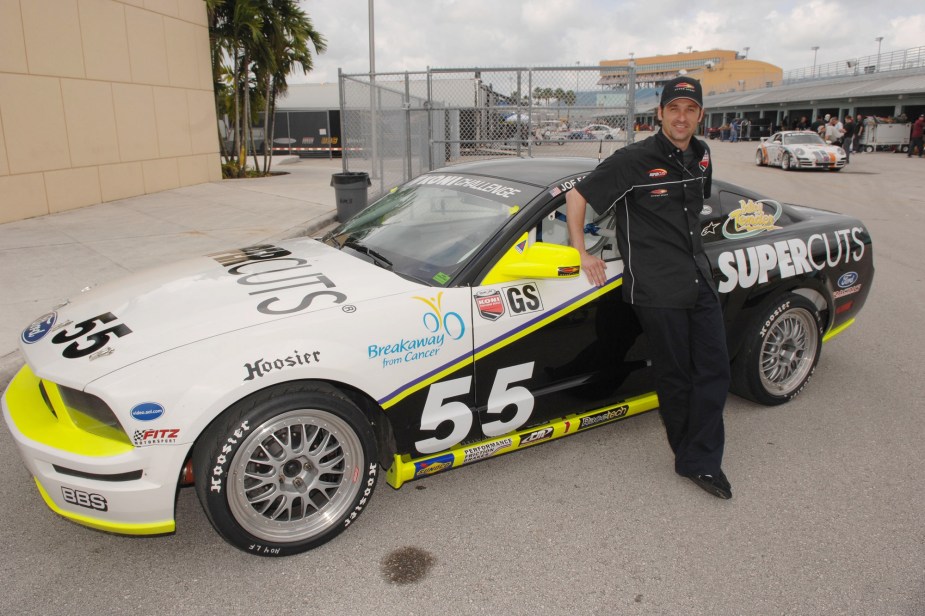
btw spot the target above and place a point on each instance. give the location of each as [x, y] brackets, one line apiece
[290, 36]
[255, 44]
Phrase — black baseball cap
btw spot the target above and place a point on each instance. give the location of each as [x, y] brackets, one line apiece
[682, 87]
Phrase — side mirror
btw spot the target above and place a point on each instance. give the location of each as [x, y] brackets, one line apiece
[538, 260]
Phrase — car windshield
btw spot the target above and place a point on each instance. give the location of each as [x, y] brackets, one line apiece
[803, 139]
[429, 228]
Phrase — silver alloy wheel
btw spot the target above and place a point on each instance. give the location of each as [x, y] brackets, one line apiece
[295, 475]
[785, 162]
[759, 158]
[788, 352]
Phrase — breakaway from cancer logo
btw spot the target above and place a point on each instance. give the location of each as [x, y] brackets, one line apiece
[439, 325]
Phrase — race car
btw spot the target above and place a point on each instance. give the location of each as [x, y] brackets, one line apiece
[447, 323]
[799, 149]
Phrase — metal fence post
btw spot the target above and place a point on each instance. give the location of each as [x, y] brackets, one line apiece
[631, 102]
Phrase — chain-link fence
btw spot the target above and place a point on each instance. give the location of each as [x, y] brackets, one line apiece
[398, 125]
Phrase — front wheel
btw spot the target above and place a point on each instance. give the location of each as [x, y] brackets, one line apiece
[786, 163]
[759, 158]
[780, 353]
[287, 469]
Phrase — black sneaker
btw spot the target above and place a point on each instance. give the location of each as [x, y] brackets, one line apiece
[717, 484]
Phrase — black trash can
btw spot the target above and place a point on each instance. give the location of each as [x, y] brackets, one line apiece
[350, 190]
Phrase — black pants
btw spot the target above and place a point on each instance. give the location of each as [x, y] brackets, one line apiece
[691, 363]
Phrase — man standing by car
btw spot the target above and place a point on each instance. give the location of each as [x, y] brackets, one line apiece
[657, 187]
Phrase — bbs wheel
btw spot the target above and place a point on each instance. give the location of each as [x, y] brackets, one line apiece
[287, 469]
[780, 352]
[786, 162]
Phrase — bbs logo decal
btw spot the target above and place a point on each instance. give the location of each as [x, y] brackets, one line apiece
[84, 499]
[523, 298]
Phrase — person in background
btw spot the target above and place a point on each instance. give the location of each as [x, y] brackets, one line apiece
[657, 188]
[918, 129]
[858, 132]
[847, 141]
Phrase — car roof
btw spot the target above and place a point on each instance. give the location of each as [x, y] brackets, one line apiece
[537, 171]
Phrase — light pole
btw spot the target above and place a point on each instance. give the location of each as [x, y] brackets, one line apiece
[746, 52]
[879, 40]
[815, 49]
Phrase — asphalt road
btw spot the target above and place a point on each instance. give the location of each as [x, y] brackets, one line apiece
[828, 515]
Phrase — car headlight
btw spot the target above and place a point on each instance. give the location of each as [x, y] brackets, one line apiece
[799, 151]
[840, 152]
[89, 413]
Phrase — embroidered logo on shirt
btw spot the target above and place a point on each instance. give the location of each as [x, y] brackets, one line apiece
[705, 161]
[657, 173]
[658, 192]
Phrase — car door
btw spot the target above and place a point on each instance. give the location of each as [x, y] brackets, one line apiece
[546, 348]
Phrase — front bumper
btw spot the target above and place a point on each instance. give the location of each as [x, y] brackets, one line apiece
[88, 478]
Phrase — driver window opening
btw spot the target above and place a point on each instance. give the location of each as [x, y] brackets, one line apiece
[600, 238]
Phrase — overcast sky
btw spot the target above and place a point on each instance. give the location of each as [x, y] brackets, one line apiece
[414, 34]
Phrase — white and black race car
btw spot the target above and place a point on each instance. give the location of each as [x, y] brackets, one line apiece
[800, 149]
[445, 324]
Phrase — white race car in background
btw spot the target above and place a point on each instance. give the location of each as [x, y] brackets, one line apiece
[799, 149]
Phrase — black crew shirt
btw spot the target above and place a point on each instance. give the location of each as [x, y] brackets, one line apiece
[658, 200]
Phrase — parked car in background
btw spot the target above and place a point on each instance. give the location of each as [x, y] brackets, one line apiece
[596, 132]
[803, 149]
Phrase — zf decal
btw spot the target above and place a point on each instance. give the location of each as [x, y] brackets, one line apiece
[84, 340]
[271, 269]
[84, 499]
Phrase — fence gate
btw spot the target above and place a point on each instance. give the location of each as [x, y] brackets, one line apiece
[398, 125]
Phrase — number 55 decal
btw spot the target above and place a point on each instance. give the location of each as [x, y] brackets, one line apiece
[96, 339]
[437, 410]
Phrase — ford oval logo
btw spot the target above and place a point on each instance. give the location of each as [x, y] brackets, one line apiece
[847, 279]
[147, 411]
[39, 328]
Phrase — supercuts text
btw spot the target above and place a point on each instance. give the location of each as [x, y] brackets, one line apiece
[462, 182]
[745, 267]
[271, 272]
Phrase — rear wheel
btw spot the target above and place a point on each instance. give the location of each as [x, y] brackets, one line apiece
[780, 353]
[287, 469]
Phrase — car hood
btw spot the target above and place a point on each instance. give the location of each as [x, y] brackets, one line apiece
[154, 311]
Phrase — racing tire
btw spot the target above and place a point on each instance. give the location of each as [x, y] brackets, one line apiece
[287, 469]
[869, 149]
[786, 163]
[780, 352]
[759, 158]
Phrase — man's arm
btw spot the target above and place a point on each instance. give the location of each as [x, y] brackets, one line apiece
[575, 206]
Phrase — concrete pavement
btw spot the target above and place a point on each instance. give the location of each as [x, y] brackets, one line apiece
[47, 259]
